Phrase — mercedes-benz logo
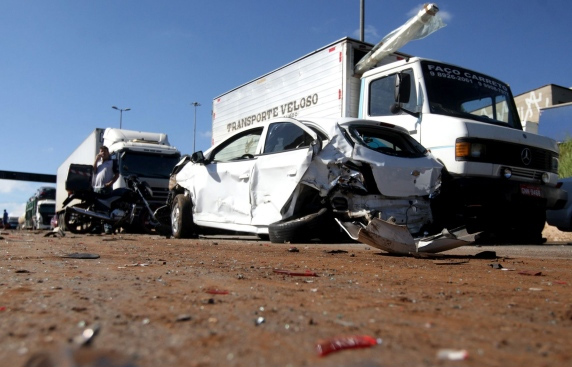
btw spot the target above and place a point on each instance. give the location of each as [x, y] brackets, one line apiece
[526, 156]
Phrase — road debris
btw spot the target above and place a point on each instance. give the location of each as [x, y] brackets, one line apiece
[530, 272]
[216, 291]
[397, 239]
[306, 273]
[56, 232]
[81, 255]
[325, 347]
[452, 354]
[87, 335]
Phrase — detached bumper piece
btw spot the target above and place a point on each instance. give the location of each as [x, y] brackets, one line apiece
[396, 239]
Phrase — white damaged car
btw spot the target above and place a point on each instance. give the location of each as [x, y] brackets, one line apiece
[295, 180]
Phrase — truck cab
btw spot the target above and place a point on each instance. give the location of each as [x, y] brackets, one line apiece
[495, 172]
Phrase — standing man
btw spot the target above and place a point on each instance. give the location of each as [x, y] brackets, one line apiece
[105, 172]
[5, 219]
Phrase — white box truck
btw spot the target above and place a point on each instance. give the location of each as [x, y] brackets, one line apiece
[145, 154]
[499, 179]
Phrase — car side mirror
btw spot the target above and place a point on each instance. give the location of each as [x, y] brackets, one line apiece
[198, 157]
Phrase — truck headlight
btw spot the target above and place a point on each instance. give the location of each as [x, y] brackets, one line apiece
[555, 164]
[465, 149]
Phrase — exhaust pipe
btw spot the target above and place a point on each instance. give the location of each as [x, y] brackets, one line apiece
[89, 213]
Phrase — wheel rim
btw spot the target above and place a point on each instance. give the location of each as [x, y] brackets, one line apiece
[175, 218]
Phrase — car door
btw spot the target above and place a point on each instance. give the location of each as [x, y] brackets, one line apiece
[287, 151]
[222, 185]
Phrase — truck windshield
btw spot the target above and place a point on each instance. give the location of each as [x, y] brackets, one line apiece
[47, 209]
[458, 92]
[147, 165]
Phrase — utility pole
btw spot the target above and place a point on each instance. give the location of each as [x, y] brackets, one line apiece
[361, 20]
[196, 104]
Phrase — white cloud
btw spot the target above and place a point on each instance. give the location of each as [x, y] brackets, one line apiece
[13, 186]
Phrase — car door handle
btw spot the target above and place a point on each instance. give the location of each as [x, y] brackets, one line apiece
[244, 176]
[292, 172]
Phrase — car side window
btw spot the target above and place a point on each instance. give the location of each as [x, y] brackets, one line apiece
[284, 136]
[240, 146]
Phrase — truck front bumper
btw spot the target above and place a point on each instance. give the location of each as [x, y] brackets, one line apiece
[504, 193]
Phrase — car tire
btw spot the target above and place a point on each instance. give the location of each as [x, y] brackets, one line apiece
[296, 229]
[181, 217]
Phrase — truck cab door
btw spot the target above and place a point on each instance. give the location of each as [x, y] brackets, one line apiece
[389, 99]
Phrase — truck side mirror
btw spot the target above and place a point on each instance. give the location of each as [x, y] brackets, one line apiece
[402, 87]
[198, 157]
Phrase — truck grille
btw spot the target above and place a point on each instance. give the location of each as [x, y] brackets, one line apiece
[528, 174]
[160, 194]
[527, 158]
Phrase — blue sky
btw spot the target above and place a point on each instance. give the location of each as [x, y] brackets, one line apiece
[64, 63]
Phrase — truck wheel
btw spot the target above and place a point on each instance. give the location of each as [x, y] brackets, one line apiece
[181, 217]
[296, 229]
[530, 228]
[78, 223]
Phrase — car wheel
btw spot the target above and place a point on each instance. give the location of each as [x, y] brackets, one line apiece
[181, 217]
[296, 229]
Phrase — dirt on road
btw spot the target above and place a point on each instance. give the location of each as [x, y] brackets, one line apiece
[142, 300]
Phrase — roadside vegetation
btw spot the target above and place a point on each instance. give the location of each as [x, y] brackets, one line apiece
[565, 164]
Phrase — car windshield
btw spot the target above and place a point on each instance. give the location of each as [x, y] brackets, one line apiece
[387, 141]
[147, 165]
[457, 92]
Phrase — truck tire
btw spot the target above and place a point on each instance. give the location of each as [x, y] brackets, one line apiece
[78, 223]
[296, 229]
[181, 217]
[530, 228]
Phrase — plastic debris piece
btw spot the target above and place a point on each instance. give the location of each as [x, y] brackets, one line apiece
[87, 335]
[184, 317]
[452, 354]
[450, 262]
[215, 291]
[293, 249]
[530, 272]
[80, 255]
[486, 255]
[496, 266]
[325, 347]
[259, 320]
[306, 273]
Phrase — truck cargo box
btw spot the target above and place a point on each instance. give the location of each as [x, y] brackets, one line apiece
[320, 84]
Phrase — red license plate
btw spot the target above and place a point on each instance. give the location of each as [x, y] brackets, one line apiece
[531, 190]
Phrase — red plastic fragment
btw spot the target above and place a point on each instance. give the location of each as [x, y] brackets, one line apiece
[215, 291]
[326, 347]
[306, 273]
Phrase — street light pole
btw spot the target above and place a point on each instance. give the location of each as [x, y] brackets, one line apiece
[196, 104]
[120, 113]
